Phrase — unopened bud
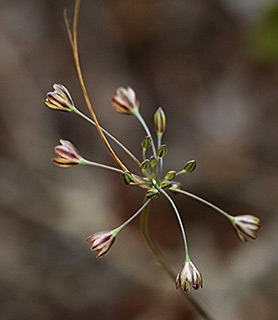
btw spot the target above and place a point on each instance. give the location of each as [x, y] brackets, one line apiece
[145, 165]
[152, 193]
[165, 184]
[162, 151]
[126, 177]
[190, 166]
[125, 101]
[146, 142]
[153, 161]
[170, 175]
[159, 121]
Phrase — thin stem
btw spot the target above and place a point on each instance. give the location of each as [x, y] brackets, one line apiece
[160, 259]
[180, 172]
[191, 195]
[143, 123]
[73, 41]
[79, 113]
[117, 230]
[159, 137]
[140, 183]
[100, 165]
[179, 220]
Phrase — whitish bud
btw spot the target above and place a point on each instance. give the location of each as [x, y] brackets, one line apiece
[146, 142]
[170, 175]
[145, 165]
[159, 121]
[125, 101]
[165, 184]
[126, 177]
[152, 193]
[190, 166]
[153, 161]
[162, 151]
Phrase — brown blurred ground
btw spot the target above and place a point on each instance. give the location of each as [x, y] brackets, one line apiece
[220, 93]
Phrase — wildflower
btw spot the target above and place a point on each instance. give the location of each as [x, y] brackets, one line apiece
[60, 99]
[245, 226]
[162, 151]
[69, 155]
[170, 175]
[101, 242]
[190, 166]
[159, 121]
[189, 276]
[125, 101]
[146, 142]
[126, 177]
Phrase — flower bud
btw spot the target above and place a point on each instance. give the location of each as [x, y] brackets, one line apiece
[170, 175]
[101, 242]
[153, 161]
[245, 227]
[152, 193]
[69, 155]
[189, 276]
[146, 142]
[190, 166]
[126, 177]
[145, 165]
[125, 101]
[165, 184]
[60, 99]
[159, 121]
[162, 151]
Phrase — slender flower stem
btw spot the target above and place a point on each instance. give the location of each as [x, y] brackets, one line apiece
[79, 113]
[140, 183]
[100, 165]
[180, 172]
[187, 258]
[117, 230]
[143, 123]
[191, 195]
[159, 137]
[160, 259]
[73, 41]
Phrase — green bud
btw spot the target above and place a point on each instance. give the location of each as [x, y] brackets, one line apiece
[145, 165]
[165, 184]
[162, 151]
[153, 161]
[159, 121]
[146, 142]
[170, 175]
[152, 193]
[190, 166]
[126, 177]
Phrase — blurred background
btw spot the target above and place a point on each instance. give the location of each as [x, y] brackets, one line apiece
[212, 65]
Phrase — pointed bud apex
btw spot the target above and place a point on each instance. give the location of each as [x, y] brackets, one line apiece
[125, 101]
[101, 242]
[170, 175]
[245, 226]
[152, 193]
[159, 121]
[190, 166]
[189, 276]
[69, 155]
[59, 99]
[146, 142]
[145, 165]
[162, 151]
[126, 177]
[165, 184]
[153, 161]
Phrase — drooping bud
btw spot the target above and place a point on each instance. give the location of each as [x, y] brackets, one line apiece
[165, 184]
[101, 242]
[245, 226]
[170, 175]
[159, 121]
[152, 193]
[190, 166]
[145, 165]
[60, 99]
[162, 151]
[125, 101]
[126, 177]
[146, 142]
[69, 155]
[153, 161]
[189, 276]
